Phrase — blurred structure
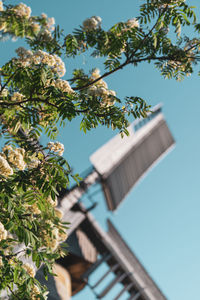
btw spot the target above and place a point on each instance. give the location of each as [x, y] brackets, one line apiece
[91, 247]
[121, 163]
[118, 166]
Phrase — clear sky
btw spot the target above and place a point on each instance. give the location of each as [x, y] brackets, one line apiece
[160, 219]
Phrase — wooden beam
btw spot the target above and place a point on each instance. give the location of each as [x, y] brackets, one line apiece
[112, 269]
[135, 296]
[125, 288]
[117, 279]
[104, 258]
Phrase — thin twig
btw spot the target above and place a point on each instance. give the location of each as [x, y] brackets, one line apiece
[13, 293]
[9, 79]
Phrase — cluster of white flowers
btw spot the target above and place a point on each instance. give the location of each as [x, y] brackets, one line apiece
[32, 208]
[27, 58]
[35, 292]
[100, 89]
[100, 83]
[62, 236]
[34, 163]
[58, 213]
[35, 27]
[51, 241]
[50, 21]
[56, 147]
[1, 6]
[164, 3]
[4, 93]
[22, 10]
[52, 202]
[11, 156]
[2, 24]
[29, 269]
[45, 35]
[133, 23]
[17, 97]
[92, 23]
[168, 1]
[44, 16]
[10, 243]
[3, 232]
[57, 236]
[5, 168]
[1, 262]
[16, 157]
[177, 66]
[108, 96]
[63, 85]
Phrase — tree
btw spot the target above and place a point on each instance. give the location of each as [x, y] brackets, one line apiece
[34, 101]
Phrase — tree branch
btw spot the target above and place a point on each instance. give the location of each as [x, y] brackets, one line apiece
[15, 296]
[148, 34]
[9, 79]
[4, 103]
[128, 60]
[103, 76]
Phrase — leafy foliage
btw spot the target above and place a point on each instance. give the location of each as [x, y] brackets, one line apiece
[34, 101]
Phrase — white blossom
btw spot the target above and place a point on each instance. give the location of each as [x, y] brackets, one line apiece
[1, 6]
[16, 157]
[22, 10]
[50, 23]
[28, 58]
[62, 236]
[58, 213]
[92, 90]
[33, 208]
[7, 147]
[100, 89]
[101, 83]
[35, 292]
[45, 35]
[63, 85]
[17, 96]
[52, 241]
[96, 73]
[52, 202]
[34, 163]
[133, 23]
[112, 93]
[1, 262]
[29, 269]
[5, 168]
[109, 99]
[92, 23]
[2, 25]
[3, 232]
[56, 147]
[4, 93]
[35, 27]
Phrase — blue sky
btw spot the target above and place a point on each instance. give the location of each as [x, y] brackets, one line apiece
[160, 219]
